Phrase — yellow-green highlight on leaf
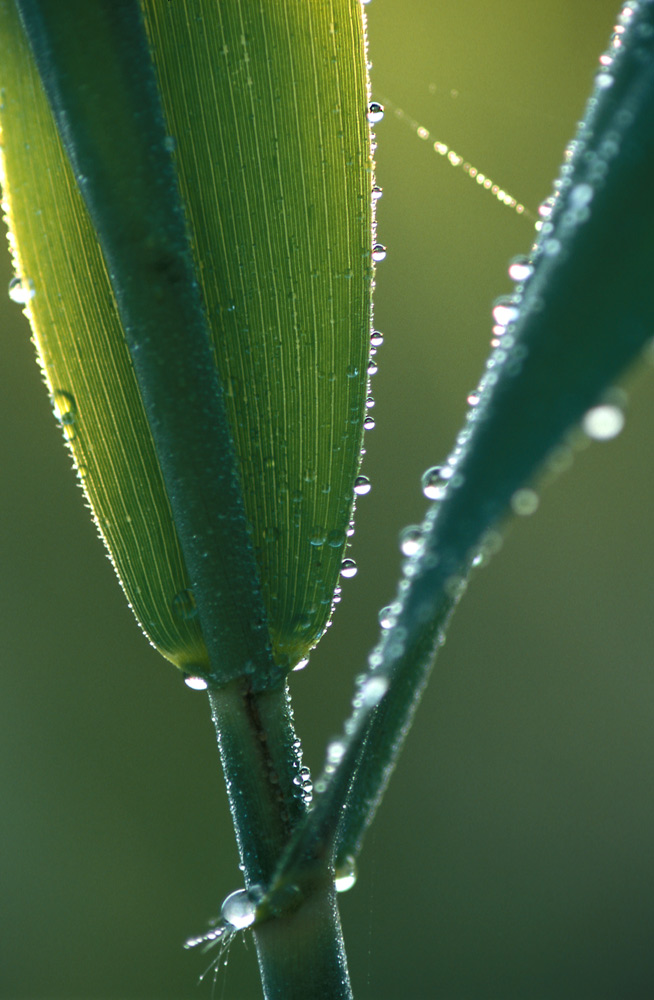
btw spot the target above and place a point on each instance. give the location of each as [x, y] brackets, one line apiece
[266, 108]
[266, 104]
[85, 361]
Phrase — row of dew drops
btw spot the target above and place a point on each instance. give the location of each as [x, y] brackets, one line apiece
[601, 422]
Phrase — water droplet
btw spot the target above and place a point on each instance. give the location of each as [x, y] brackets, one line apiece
[603, 422]
[433, 485]
[375, 112]
[505, 310]
[170, 143]
[551, 248]
[370, 402]
[65, 410]
[239, 908]
[348, 569]
[335, 538]
[411, 540]
[376, 192]
[335, 751]
[376, 338]
[352, 371]
[581, 195]
[379, 252]
[373, 367]
[361, 486]
[386, 616]
[317, 536]
[345, 874]
[369, 423]
[301, 664]
[373, 690]
[195, 682]
[520, 268]
[21, 291]
[473, 398]
[183, 605]
[524, 502]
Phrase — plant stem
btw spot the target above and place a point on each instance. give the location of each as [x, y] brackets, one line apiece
[301, 953]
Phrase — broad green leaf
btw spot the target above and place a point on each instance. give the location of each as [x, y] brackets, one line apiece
[265, 109]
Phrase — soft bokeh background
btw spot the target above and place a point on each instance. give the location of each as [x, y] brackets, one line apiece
[514, 854]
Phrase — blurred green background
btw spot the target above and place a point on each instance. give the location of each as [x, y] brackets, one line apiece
[513, 855]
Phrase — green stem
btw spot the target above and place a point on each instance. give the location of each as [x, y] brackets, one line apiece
[301, 953]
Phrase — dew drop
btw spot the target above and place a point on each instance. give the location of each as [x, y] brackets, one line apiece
[376, 338]
[379, 252]
[183, 605]
[375, 112]
[411, 540]
[505, 310]
[362, 486]
[335, 538]
[301, 664]
[195, 682]
[432, 483]
[520, 268]
[603, 422]
[370, 402]
[376, 192]
[386, 617]
[317, 537]
[65, 410]
[373, 690]
[345, 874]
[373, 367]
[239, 908]
[369, 423]
[335, 752]
[524, 502]
[348, 569]
[21, 291]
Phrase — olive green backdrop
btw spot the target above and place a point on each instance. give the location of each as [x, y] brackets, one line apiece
[514, 854]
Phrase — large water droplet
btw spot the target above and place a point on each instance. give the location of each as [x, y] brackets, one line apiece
[520, 268]
[379, 252]
[361, 486]
[345, 874]
[375, 112]
[373, 367]
[348, 568]
[301, 664]
[239, 908]
[505, 310]
[369, 423]
[376, 338]
[603, 422]
[318, 536]
[21, 291]
[376, 192]
[195, 682]
[433, 484]
[411, 540]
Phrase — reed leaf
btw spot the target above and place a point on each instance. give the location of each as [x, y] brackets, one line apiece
[261, 144]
